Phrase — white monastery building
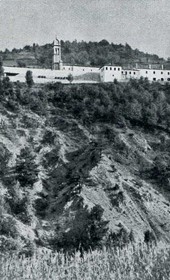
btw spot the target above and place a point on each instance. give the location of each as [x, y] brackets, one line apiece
[109, 73]
[83, 74]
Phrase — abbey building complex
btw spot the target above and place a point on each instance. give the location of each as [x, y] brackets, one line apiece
[60, 72]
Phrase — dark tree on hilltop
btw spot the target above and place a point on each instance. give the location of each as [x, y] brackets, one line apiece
[29, 79]
[26, 170]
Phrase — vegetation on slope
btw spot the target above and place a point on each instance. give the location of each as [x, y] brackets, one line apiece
[81, 53]
[76, 157]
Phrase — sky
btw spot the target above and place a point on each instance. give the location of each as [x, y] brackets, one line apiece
[143, 24]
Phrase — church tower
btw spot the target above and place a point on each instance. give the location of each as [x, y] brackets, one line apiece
[57, 62]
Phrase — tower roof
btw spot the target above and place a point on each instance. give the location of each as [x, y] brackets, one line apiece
[56, 41]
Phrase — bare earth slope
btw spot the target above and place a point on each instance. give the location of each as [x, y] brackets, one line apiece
[100, 165]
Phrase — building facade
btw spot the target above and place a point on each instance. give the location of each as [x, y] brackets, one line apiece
[109, 73]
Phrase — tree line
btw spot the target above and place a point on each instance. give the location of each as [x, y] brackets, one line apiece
[83, 53]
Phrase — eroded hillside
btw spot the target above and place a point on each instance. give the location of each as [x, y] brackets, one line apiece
[88, 152]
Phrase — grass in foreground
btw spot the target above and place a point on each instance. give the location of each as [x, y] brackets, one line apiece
[132, 262]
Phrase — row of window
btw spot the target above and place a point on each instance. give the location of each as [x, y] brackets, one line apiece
[129, 73]
[81, 69]
[58, 78]
[146, 72]
[155, 72]
[162, 79]
[111, 68]
[65, 68]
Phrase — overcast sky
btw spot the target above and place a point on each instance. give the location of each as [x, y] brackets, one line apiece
[143, 24]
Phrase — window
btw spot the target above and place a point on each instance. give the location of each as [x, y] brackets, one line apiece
[115, 69]
[130, 73]
[153, 72]
[106, 68]
[146, 72]
[134, 73]
[42, 77]
[110, 68]
[168, 79]
[161, 72]
[126, 72]
[118, 69]
[168, 73]
[122, 72]
[162, 79]
[154, 79]
[11, 74]
[113, 75]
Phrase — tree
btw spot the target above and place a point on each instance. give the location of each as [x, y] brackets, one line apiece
[26, 170]
[86, 231]
[21, 63]
[103, 43]
[1, 68]
[29, 78]
[70, 78]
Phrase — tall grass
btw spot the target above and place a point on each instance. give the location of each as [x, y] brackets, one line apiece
[131, 262]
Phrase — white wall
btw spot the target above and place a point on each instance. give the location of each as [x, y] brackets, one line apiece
[80, 70]
[130, 74]
[45, 75]
[109, 73]
[39, 75]
[155, 75]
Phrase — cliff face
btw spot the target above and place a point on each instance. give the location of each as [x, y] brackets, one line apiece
[99, 164]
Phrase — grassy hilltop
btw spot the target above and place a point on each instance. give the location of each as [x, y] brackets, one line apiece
[85, 167]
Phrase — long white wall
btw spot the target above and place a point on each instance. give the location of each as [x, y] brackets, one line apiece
[39, 75]
[47, 75]
[107, 74]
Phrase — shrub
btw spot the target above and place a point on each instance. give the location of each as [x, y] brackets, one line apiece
[70, 78]
[29, 78]
[26, 170]
[48, 137]
[86, 231]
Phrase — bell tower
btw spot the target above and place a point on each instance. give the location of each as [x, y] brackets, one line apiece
[57, 62]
